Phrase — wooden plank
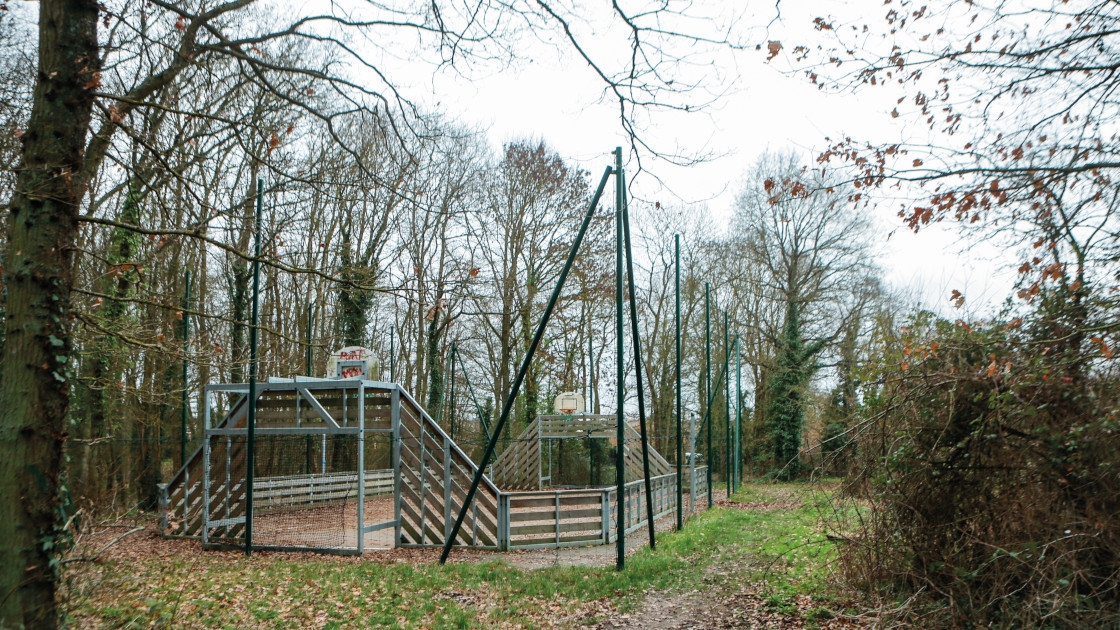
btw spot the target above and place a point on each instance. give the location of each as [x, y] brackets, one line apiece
[517, 502]
[483, 495]
[488, 520]
[409, 530]
[517, 517]
[550, 528]
[550, 541]
[466, 530]
[431, 533]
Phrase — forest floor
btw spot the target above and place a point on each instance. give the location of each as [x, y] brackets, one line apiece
[758, 560]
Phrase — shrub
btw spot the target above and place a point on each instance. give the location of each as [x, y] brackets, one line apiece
[990, 459]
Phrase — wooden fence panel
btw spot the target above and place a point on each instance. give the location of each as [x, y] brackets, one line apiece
[435, 476]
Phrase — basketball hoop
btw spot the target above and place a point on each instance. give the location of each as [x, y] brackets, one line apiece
[568, 403]
[351, 362]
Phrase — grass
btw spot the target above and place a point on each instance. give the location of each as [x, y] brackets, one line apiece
[777, 549]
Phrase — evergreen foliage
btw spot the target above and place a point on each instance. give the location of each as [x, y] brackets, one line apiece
[786, 400]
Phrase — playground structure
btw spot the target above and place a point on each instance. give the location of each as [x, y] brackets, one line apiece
[346, 464]
[335, 457]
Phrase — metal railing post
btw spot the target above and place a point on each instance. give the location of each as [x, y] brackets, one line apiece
[361, 468]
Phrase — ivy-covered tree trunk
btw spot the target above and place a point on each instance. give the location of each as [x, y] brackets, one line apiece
[435, 368]
[354, 302]
[108, 357]
[786, 395]
[38, 274]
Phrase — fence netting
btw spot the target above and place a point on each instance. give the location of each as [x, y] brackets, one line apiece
[306, 492]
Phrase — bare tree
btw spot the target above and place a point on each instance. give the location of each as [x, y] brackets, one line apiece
[87, 90]
[812, 250]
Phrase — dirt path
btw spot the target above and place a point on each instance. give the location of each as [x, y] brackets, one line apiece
[742, 607]
[722, 602]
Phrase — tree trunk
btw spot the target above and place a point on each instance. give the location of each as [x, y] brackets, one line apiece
[239, 288]
[435, 367]
[39, 273]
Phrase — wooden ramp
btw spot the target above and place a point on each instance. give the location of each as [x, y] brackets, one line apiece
[519, 466]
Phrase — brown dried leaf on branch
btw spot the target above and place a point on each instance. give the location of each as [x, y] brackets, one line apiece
[774, 47]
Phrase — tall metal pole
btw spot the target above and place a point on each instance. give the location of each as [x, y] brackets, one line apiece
[727, 403]
[708, 419]
[251, 420]
[392, 354]
[680, 447]
[307, 371]
[708, 377]
[636, 342]
[620, 416]
[186, 348]
[738, 416]
[590, 394]
[508, 405]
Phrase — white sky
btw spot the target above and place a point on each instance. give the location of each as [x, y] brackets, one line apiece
[769, 107]
[551, 95]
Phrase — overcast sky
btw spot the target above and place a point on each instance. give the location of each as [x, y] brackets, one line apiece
[769, 106]
[551, 95]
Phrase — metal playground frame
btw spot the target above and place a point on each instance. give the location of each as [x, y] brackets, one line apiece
[399, 478]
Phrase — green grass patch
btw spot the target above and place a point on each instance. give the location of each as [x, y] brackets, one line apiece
[719, 551]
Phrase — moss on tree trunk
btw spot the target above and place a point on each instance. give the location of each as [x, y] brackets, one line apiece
[38, 273]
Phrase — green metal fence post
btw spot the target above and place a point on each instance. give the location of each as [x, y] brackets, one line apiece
[516, 386]
[738, 416]
[636, 342]
[708, 421]
[727, 403]
[680, 446]
[708, 377]
[251, 420]
[186, 348]
[307, 371]
[620, 374]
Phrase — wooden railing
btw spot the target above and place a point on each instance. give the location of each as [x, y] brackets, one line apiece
[300, 490]
[564, 518]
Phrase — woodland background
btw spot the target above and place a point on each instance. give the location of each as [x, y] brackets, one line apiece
[409, 233]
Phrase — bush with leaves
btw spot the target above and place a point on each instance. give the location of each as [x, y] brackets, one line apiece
[991, 459]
